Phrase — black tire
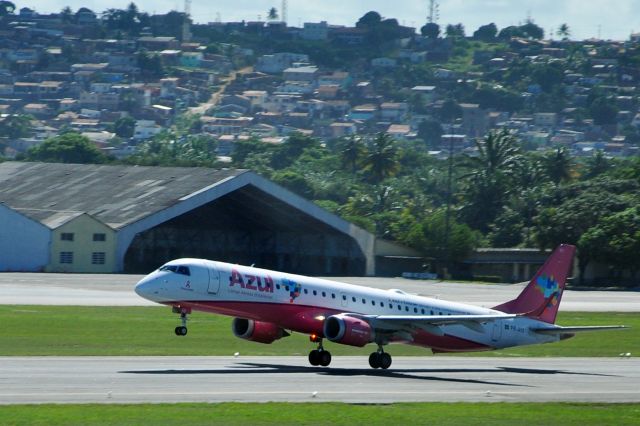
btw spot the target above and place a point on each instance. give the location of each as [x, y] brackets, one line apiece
[178, 331]
[385, 360]
[181, 331]
[325, 358]
[314, 357]
[374, 360]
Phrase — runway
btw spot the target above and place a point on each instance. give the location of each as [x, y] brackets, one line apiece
[263, 379]
[117, 290]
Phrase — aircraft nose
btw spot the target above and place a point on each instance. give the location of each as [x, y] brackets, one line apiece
[144, 288]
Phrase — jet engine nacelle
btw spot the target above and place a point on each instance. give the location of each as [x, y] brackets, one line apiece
[257, 331]
[347, 330]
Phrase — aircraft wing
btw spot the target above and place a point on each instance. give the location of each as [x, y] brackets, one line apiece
[564, 330]
[429, 323]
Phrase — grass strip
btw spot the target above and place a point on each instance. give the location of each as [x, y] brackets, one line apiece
[494, 414]
[64, 330]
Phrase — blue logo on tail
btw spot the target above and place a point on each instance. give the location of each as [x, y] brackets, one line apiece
[548, 286]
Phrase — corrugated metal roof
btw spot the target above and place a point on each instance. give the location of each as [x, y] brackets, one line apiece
[53, 193]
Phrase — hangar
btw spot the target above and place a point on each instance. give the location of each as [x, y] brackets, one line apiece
[103, 218]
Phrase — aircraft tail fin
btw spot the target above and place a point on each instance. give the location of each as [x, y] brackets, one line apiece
[540, 299]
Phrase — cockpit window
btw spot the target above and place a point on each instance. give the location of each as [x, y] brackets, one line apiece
[178, 269]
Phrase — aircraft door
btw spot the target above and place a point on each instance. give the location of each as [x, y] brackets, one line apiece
[496, 332]
[344, 299]
[214, 280]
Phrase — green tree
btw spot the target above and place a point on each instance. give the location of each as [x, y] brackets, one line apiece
[558, 165]
[381, 160]
[351, 152]
[490, 179]
[430, 131]
[564, 32]
[486, 33]
[596, 165]
[369, 20]
[67, 148]
[124, 126]
[603, 111]
[66, 15]
[615, 240]
[431, 237]
[16, 126]
[7, 8]
[150, 64]
[430, 30]
[455, 31]
[272, 15]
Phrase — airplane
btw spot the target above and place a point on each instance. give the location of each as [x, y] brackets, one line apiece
[268, 305]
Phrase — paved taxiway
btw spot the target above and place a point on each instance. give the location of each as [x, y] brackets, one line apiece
[261, 379]
[117, 290]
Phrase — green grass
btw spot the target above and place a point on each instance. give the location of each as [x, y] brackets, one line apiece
[64, 330]
[324, 414]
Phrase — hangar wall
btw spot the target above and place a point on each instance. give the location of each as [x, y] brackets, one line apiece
[24, 243]
[83, 244]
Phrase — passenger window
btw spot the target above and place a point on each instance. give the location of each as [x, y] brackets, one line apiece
[399, 307]
[432, 312]
[306, 291]
[422, 311]
[415, 310]
[390, 306]
[333, 295]
[382, 304]
[286, 288]
[406, 308]
[373, 302]
[353, 298]
[324, 294]
[344, 297]
[277, 286]
[315, 293]
[364, 301]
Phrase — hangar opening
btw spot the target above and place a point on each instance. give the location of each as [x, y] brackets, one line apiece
[251, 227]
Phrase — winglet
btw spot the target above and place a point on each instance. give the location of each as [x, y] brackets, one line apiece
[540, 299]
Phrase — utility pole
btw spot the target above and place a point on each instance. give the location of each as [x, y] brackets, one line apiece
[434, 12]
[186, 23]
[447, 217]
[283, 12]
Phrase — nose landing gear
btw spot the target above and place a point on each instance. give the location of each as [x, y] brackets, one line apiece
[181, 330]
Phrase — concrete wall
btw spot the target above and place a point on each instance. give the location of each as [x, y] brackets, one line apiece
[86, 257]
[24, 243]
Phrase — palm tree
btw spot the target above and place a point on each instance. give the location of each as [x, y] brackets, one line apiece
[491, 179]
[382, 158]
[558, 165]
[564, 32]
[272, 15]
[351, 152]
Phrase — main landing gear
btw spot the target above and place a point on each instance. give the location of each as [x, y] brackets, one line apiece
[319, 356]
[380, 359]
[181, 330]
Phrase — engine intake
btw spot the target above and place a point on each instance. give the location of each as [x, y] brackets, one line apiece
[347, 330]
[257, 331]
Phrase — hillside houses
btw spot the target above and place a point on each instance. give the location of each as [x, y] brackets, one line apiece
[77, 75]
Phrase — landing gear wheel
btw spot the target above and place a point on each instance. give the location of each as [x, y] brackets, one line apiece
[314, 357]
[325, 358]
[181, 331]
[385, 360]
[374, 360]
